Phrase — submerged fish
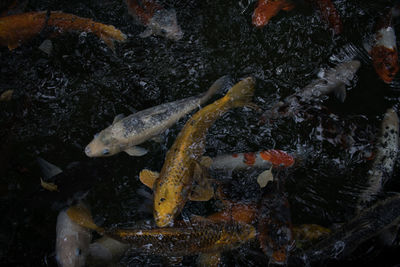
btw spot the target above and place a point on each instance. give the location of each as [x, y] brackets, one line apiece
[262, 159]
[330, 14]
[16, 29]
[384, 50]
[175, 182]
[202, 236]
[72, 242]
[385, 158]
[159, 21]
[334, 80]
[274, 225]
[125, 133]
[369, 223]
[266, 9]
[105, 250]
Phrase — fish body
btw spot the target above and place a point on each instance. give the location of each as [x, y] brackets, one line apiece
[369, 223]
[384, 50]
[16, 29]
[159, 21]
[72, 242]
[266, 9]
[105, 250]
[125, 133]
[274, 225]
[186, 240]
[175, 182]
[333, 80]
[262, 159]
[384, 161]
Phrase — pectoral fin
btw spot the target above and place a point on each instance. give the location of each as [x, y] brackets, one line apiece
[148, 32]
[202, 189]
[136, 151]
[209, 259]
[340, 93]
[206, 161]
[118, 118]
[157, 139]
[264, 178]
[148, 177]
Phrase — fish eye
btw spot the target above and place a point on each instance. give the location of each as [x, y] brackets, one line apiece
[78, 251]
[106, 151]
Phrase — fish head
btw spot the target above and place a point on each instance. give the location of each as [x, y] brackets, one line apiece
[385, 61]
[72, 242]
[164, 23]
[103, 145]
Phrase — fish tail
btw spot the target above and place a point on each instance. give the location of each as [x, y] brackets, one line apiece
[81, 215]
[214, 88]
[241, 93]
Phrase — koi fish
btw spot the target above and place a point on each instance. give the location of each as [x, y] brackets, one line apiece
[266, 9]
[384, 50]
[274, 225]
[385, 158]
[16, 29]
[333, 80]
[72, 242]
[105, 250]
[124, 134]
[330, 14]
[368, 224]
[201, 237]
[174, 183]
[159, 21]
[263, 159]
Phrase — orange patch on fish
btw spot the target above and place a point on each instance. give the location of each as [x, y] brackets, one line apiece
[279, 256]
[249, 158]
[330, 14]
[235, 155]
[277, 157]
[143, 11]
[385, 61]
[266, 9]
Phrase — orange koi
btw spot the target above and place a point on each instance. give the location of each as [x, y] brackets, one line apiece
[16, 29]
[266, 9]
[143, 10]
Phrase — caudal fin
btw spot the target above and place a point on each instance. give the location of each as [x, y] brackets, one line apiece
[81, 215]
[241, 93]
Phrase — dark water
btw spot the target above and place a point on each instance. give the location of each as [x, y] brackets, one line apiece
[61, 101]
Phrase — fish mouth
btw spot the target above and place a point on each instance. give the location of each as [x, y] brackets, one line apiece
[88, 151]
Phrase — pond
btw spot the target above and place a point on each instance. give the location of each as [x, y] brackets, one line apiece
[61, 100]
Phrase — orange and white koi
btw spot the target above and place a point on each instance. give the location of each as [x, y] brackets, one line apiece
[266, 9]
[159, 21]
[16, 29]
[384, 50]
[262, 159]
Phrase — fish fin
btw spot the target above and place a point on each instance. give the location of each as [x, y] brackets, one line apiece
[118, 118]
[157, 139]
[289, 6]
[6, 95]
[148, 178]
[81, 215]
[206, 161]
[241, 93]
[202, 189]
[48, 186]
[136, 151]
[48, 170]
[147, 32]
[215, 87]
[340, 93]
[265, 177]
[208, 259]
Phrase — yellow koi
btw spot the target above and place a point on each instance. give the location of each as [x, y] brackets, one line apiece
[175, 181]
